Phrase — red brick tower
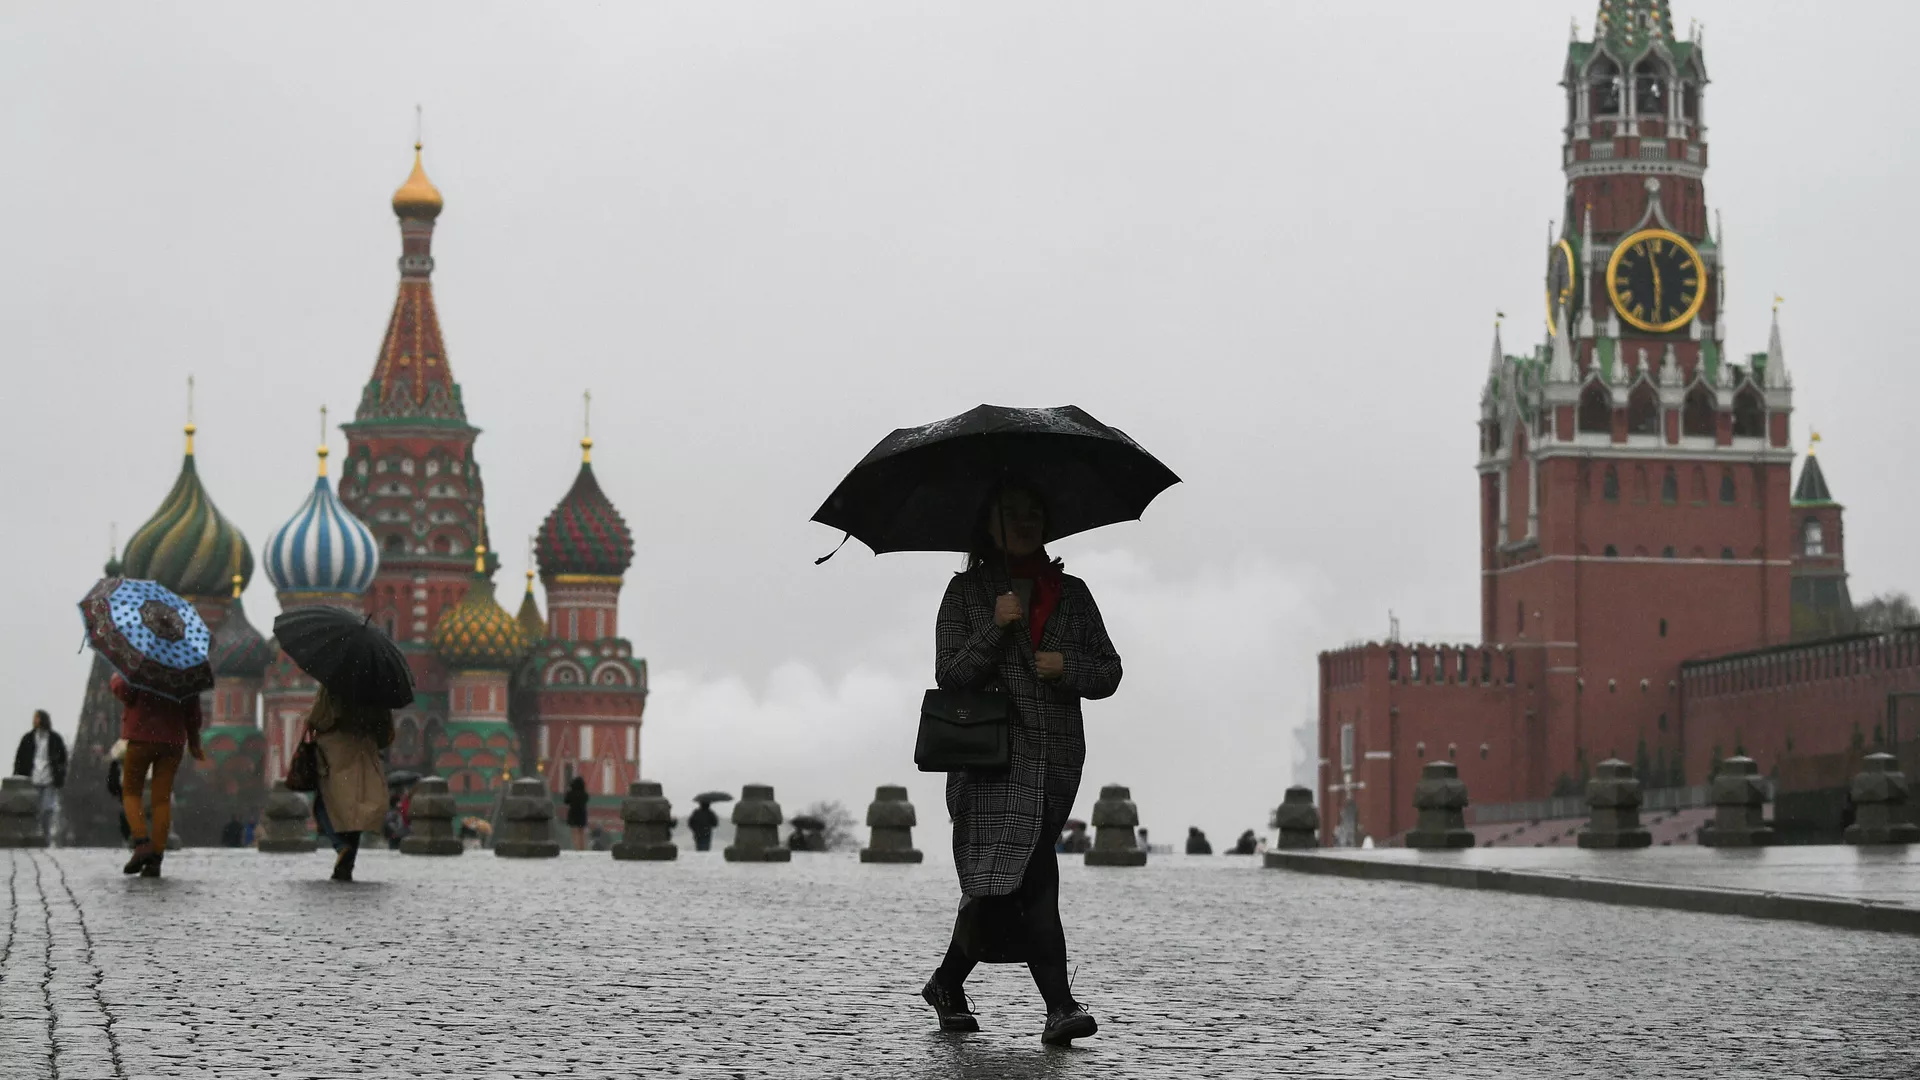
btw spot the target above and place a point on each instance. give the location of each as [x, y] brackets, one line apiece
[582, 690]
[410, 474]
[1631, 474]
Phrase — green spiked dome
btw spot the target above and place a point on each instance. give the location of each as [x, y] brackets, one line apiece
[477, 634]
[187, 545]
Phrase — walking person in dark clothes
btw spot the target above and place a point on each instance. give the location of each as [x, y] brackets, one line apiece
[702, 823]
[1006, 822]
[576, 800]
[43, 757]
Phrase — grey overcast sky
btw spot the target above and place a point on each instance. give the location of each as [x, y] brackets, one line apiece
[1266, 239]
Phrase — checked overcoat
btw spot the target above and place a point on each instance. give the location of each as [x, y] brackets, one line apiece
[1000, 816]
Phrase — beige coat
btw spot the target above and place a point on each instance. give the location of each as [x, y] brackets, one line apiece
[353, 781]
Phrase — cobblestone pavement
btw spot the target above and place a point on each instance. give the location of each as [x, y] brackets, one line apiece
[1890, 874]
[245, 965]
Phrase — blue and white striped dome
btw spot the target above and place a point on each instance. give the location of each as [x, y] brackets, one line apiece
[323, 548]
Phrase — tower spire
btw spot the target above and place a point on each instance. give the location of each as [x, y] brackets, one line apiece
[323, 440]
[190, 428]
[1776, 377]
[586, 427]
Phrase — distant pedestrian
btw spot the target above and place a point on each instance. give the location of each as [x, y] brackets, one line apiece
[232, 832]
[1246, 845]
[701, 823]
[1014, 620]
[576, 801]
[395, 826]
[1197, 842]
[156, 730]
[352, 797]
[43, 757]
[1140, 838]
[1076, 841]
[597, 839]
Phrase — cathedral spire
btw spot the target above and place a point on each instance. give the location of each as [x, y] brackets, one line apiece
[412, 381]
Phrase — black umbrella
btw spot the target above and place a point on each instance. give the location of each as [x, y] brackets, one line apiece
[402, 777]
[347, 653]
[712, 796]
[808, 823]
[921, 489]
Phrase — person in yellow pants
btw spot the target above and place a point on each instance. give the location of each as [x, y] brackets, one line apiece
[157, 731]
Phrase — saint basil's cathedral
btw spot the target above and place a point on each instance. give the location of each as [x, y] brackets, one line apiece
[404, 538]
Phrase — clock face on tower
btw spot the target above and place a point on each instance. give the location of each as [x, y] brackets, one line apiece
[1559, 283]
[1656, 280]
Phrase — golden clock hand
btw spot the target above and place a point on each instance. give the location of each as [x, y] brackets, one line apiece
[1654, 265]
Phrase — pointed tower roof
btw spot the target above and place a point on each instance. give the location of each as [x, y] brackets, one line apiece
[238, 649]
[1627, 28]
[188, 545]
[1776, 375]
[1812, 489]
[412, 383]
[532, 624]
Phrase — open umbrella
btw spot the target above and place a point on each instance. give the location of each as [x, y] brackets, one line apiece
[1076, 823]
[921, 489]
[402, 777]
[808, 822]
[156, 640]
[347, 653]
[712, 796]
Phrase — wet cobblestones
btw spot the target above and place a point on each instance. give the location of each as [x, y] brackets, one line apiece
[243, 965]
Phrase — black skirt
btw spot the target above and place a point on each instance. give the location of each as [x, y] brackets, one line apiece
[576, 817]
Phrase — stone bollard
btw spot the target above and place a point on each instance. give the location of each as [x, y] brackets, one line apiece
[1880, 804]
[20, 813]
[890, 816]
[649, 824]
[756, 828]
[1297, 820]
[526, 826]
[283, 822]
[1114, 819]
[430, 828]
[1613, 799]
[1739, 794]
[1441, 799]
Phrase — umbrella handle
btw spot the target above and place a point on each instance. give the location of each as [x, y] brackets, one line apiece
[835, 551]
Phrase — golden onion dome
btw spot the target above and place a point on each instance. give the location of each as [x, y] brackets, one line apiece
[477, 634]
[418, 198]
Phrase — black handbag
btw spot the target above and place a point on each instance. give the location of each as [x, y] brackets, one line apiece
[307, 766]
[964, 729]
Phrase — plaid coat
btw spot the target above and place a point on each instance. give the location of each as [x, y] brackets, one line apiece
[1000, 817]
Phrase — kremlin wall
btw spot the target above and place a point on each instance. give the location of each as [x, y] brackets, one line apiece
[404, 538]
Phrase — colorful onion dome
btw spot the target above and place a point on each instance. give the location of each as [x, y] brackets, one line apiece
[477, 634]
[531, 624]
[323, 548]
[238, 649]
[585, 534]
[187, 545]
[418, 198]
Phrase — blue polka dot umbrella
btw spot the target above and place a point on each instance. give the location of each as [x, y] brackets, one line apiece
[155, 639]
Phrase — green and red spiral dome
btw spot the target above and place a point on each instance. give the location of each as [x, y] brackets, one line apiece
[585, 535]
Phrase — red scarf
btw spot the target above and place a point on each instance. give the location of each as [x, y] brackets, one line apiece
[1039, 569]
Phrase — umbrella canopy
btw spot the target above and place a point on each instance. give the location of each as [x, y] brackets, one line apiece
[402, 777]
[712, 796]
[155, 639]
[808, 822]
[347, 653]
[1076, 823]
[921, 489]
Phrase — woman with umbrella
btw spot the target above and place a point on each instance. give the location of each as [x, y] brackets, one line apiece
[363, 676]
[157, 644]
[998, 483]
[703, 820]
[576, 800]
